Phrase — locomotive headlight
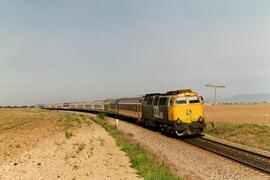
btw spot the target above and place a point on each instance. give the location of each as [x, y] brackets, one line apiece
[201, 120]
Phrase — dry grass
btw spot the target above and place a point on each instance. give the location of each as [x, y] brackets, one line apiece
[252, 135]
[15, 117]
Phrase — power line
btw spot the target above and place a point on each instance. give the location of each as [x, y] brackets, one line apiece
[248, 80]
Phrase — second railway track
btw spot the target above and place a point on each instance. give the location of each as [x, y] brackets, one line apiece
[251, 158]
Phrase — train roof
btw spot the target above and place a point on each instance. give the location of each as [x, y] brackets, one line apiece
[130, 100]
[171, 93]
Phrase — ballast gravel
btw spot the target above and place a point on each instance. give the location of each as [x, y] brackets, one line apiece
[186, 160]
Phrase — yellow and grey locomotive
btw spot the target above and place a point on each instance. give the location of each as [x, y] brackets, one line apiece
[180, 112]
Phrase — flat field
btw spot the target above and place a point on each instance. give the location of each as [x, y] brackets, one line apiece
[249, 114]
[244, 124]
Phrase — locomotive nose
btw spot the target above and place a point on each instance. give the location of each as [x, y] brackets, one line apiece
[193, 112]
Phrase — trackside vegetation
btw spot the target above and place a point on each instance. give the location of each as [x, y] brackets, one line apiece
[147, 165]
[68, 122]
[253, 135]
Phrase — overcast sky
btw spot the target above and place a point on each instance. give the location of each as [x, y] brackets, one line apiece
[73, 50]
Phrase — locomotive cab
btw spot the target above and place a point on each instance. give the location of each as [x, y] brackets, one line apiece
[186, 110]
[186, 107]
[179, 112]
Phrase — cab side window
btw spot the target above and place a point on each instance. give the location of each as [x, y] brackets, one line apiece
[171, 101]
[162, 101]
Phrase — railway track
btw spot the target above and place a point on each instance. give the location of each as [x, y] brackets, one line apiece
[258, 160]
[244, 155]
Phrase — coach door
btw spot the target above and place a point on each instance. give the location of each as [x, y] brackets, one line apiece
[147, 109]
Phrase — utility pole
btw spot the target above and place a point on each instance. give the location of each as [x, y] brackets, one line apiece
[215, 90]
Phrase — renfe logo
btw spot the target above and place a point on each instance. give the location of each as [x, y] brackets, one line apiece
[188, 112]
[157, 113]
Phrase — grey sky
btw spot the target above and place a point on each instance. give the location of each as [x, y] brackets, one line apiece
[74, 50]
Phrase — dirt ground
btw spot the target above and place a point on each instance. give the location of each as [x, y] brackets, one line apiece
[250, 114]
[40, 150]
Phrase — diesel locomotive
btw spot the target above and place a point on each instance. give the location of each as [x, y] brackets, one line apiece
[179, 112]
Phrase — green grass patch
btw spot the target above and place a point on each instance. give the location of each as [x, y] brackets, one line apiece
[147, 165]
[68, 122]
[253, 135]
[101, 116]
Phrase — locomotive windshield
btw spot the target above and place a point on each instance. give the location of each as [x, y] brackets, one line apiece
[193, 99]
[187, 99]
[181, 100]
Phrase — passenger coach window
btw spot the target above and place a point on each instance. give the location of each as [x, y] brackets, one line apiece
[193, 99]
[181, 100]
[162, 101]
[150, 101]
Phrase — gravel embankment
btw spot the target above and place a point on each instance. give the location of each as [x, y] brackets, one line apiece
[186, 160]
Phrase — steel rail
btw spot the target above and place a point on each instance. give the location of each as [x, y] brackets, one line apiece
[244, 155]
[254, 159]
